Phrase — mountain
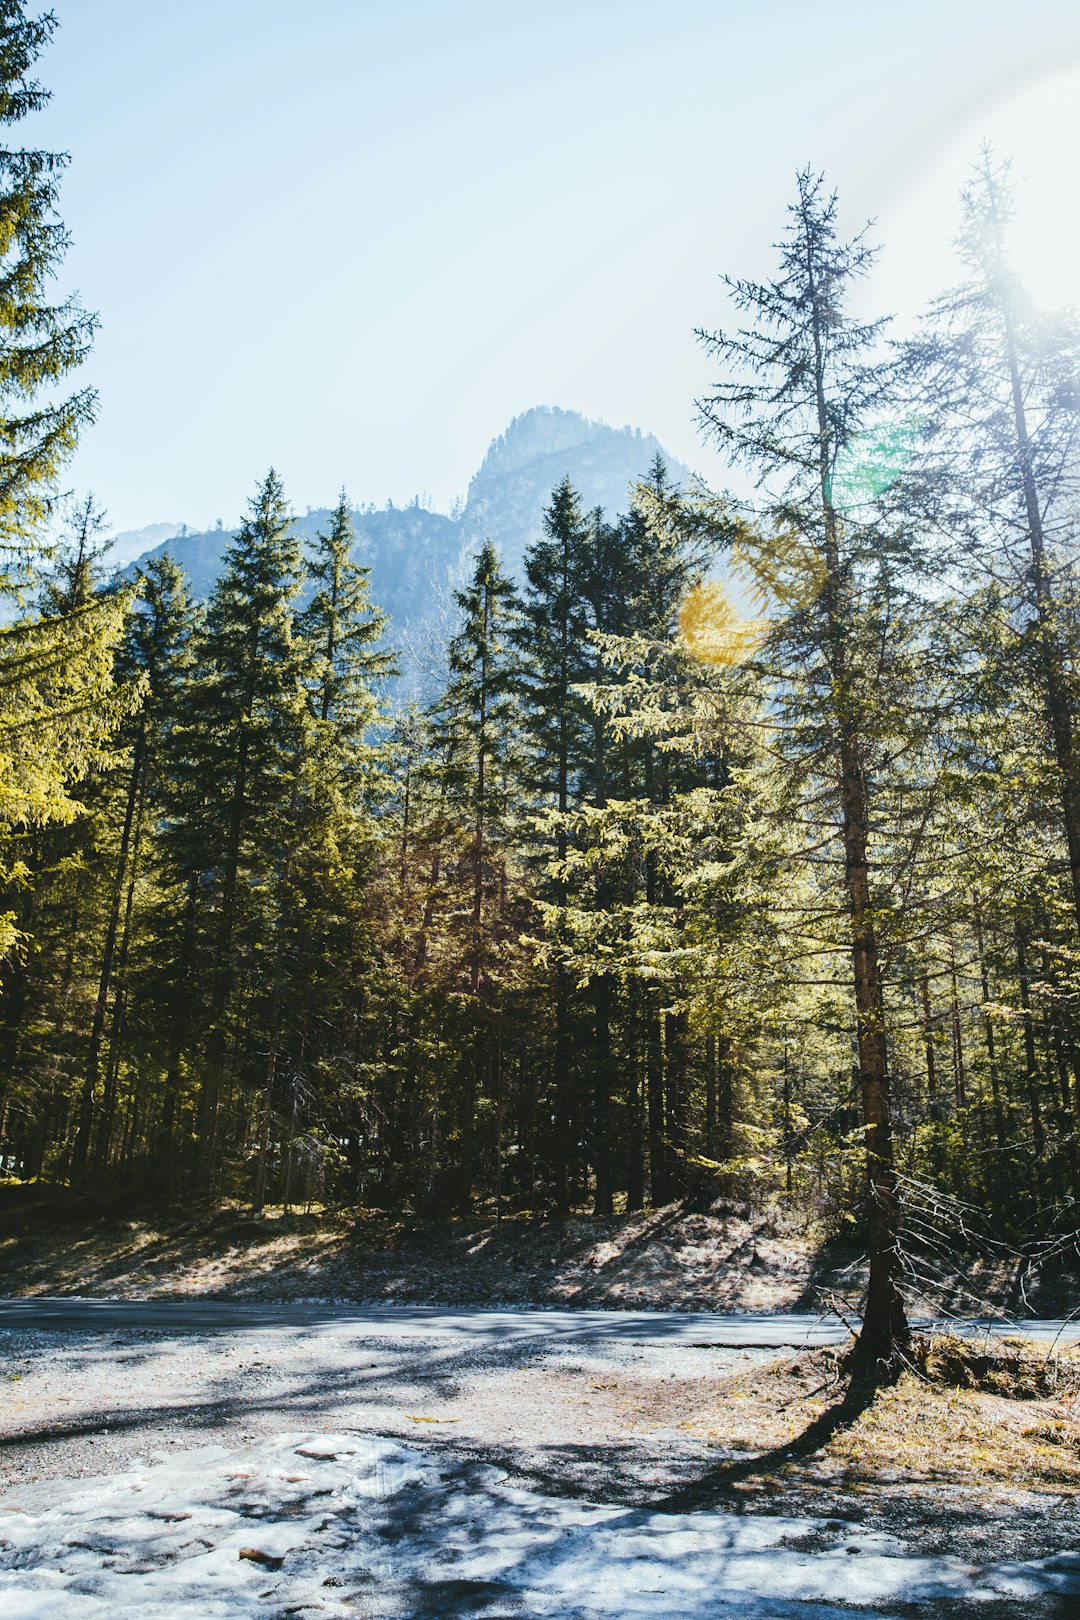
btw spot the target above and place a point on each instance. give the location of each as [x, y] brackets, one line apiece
[538, 449]
[132, 543]
[418, 557]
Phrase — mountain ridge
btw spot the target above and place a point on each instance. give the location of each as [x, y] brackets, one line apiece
[418, 557]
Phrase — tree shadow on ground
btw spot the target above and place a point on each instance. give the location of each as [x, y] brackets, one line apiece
[712, 1488]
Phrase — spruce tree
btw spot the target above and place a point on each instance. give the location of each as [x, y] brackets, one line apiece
[42, 341]
[998, 383]
[552, 643]
[62, 700]
[478, 735]
[323, 952]
[244, 734]
[155, 655]
[56, 695]
[481, 710]
[344, 630]
[803, 383]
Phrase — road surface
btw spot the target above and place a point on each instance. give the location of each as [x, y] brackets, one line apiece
[693, 1329]
[172, 1457]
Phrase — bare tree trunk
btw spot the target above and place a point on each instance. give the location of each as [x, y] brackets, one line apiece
[991, 1042]
[884, 1330]
[659, 1179]
[1031, 1066]
[959, 1073]
[604, 1204]
[81, 1151]
[928, 1048]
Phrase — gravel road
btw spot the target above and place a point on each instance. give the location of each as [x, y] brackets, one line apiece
[95, 1384]
[593, 1405]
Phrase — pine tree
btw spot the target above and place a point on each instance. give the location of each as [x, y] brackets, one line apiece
[477, 732]
[248, 710]
[552, 643]
[42, 341]
[323, 951]
[56, 696]
[62, 700]
[999, 385]
[344, 630]
[802, 387]
[155, 654]
[481, 707]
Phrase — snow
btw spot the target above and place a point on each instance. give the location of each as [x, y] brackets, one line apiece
[346, 1524]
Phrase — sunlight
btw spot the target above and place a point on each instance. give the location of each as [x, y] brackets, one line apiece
[1040, 130]
[1038, 127]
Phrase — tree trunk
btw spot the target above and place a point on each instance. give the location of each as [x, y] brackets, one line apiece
[602, 1095]
[885, 1330]
[659, 1180]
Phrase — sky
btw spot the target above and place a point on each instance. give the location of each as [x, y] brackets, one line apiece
[353, 238]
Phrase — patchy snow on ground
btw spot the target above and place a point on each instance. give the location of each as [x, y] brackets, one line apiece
[346, 1524]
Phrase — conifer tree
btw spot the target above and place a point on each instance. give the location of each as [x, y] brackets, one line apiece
[552, 642]
[43, 341]
[323, 952]
[56, 698]
[343, 629]
[61, 703]
[999, 384]
[244, 734]
[482, 710]
[155, 655]
[476, 730]
[802, 384]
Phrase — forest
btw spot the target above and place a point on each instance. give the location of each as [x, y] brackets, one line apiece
[736, 856]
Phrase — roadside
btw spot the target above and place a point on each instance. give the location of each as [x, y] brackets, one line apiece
[732, 1258]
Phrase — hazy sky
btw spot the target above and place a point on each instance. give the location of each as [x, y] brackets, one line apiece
[353, 238]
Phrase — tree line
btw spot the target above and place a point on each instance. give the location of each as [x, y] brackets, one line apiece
[737, 855]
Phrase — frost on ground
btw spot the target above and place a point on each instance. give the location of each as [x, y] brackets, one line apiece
[349, 1524]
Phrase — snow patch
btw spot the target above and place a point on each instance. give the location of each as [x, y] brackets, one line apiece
[336, 1524]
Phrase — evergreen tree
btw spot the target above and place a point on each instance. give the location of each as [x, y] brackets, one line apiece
[43, 341]
[324, 952]
[553, 647]
[61, 703]
[481, 710]
[999, 384]
[344, 630]
[802, 389]
[56, 700]
[155, 655]
[477, 732]
[244, 734]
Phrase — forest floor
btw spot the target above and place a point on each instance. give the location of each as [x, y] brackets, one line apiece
[483, 1464]
[735, 1258]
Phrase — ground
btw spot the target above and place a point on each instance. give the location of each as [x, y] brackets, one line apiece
[732, 1258]
[666, 1433]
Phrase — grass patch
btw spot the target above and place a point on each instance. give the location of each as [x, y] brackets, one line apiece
[1017, 1368]
[966, 1414]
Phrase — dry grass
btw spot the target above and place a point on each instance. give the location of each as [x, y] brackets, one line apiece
[965, 1415]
